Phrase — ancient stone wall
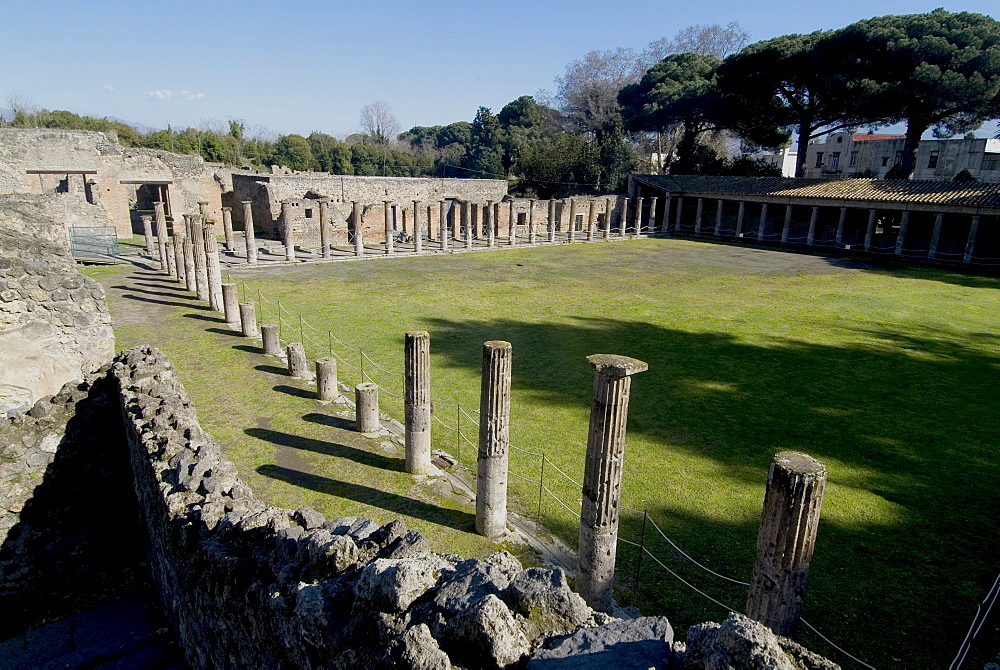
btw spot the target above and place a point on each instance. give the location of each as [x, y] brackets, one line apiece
[54, 322]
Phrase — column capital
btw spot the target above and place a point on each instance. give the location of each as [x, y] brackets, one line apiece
[613, 365]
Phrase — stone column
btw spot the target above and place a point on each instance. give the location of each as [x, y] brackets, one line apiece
[870, 232]
[602, 477]
[417, 401]
[467, 222]
[531, 221]
[231, 304]
[203, 209]
[638, 216]
[513, 225]
[287, 234]
[430, 228]
[270, 338]
[418, 238]
[171, 259]
[200, 266]
[489, 225]
[591, 219]
[324, 227]
[739, 218]
[298, 366]
[227, 228]
[935, 236]
[390, 247]
[161, 229]
[718, 216]
[443, 223]
[970, 245]
[494, 440]
[572, 220]
[839, 239]
[699, 211]
[651, 223]
[786, 226]
[901, 238]
[356, 216]
[763, 222]
[190, 278]
[608, 210]
[552, 220]
[248, 319]
[786, 541]
[327, 389]
[366, 408]
[623, 218]
[468, 237]
[178, 247]
[680, 211]
[147, 231]
[213, 267]
[811, 235]
[248, 232]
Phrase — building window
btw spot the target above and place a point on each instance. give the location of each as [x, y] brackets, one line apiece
[522, 219]
[835, 161]
[840, 138]
[819, 159]
[309, 213]
[899, 158]
[854, 159]
[932, 161]
[885, 161]
[991, 161]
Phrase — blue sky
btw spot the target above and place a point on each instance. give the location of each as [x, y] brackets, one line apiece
[296, 66]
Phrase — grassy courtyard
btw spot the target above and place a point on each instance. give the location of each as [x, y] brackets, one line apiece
[888, 377]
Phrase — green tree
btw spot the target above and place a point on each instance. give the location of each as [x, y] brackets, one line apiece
[559, 166]
[486, 149]
[937, 71]
[293, 151]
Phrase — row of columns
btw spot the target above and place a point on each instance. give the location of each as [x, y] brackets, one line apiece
[932, 250]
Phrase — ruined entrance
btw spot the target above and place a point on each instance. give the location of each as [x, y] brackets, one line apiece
[141, 196]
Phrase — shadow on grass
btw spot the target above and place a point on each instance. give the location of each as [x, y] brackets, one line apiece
[325, 448]
[222, 331]
[391, 502]
[273, 369]
[165, 294]
[249, 348]
[169, 303]
[205, 317]
[295, 391]
[329, 420]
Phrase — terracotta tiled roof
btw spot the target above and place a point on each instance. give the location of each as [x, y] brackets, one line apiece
[866, 137]
[962, 194]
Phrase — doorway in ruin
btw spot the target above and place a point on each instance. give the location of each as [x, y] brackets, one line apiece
[141, 196]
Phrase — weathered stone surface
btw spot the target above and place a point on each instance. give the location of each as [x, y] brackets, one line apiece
[418, 650]
[486, 634]
[473, 580]
[392, 585]
[548, 606]
[742, 643]
[637, 644]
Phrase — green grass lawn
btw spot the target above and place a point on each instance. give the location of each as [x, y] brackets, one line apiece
[890, 378]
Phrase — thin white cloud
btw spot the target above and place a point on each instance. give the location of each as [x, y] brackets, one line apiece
[166, 94]
[160, 94]
[190, 95]
[109, 87]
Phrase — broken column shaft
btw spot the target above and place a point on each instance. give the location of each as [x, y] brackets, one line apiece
[227, 227]
[270, 341]
[248, 319]
[366, 408]
[200, 266]
[213, 267]
[494, 440]
[327, 388]
[248, 232]
[230, 304]
[417, 401]
[298, 367]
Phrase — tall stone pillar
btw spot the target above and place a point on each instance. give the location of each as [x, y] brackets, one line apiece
[467, 222]
[213, 267]
[608, 211]
[901, 238]
[531, 221]
[651, 223]
[870, 232]
[811, 235]
[591, 219]
[602, 477]
[248, 319]
[513, 226]
[786, 541]
[762, 226]
[468, 237]
[935, 236]
[494, 440]
[417, 401]
[190, 277]
[665, 228]
[327, 388]
[430, 218]
[839, 239]
[699, 212]
[418, 236]
[443, 223]
[572, 220]
[740, 214]
[638, 216]
[786, 226]
[200, 266]
[366, 408]
[552, 220]
[287, 233]
[324, 227]
[970, 245]
[178, 245]
[171, 259]
[489, 224]
[227, 228]
[231, 304]
[159, 213]
[718, 216]
[298, 366]
[147, 231]
[248, 232]
[357, 218]
[623, 218]
[270, 335]
[680, 211]
[390, 247]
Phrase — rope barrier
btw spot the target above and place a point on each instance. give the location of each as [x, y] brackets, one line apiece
[829, 642]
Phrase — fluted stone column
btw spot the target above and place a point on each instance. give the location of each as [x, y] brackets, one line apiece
[739, 218]
[763, 222]
[160, 214]
[970, 245]
[177, 243]
[298, 366]
[417, 401]
[324, 227]
[287, 233]
[490, 224]
[602, 477]
[870, 231]
[390, 247]
[572, 220]
[665, 228]
[356, 216]
[443, 225]
[430, 218]
[811, 235]
[248, 232]
[248, 319]
[786, 226]
[190, 277]
[935, 236]
[719, 205]
[366, 408]
[552, 220]
[270, 339]
[623, 218]
[327, 388]
[171, 259]
[466, 211]
[651, 222]
[147, 231]
[591, 219]
[203, 209]
[512, 225]
[213, 267]
[699, 211]
[418, 238]
[638, 216]
[200, 265]
[608, 209]
[494, 440]
[839, 239]
[531, 221]
[231, 304]
[901, 238]
[786, 541]
[227, 228]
